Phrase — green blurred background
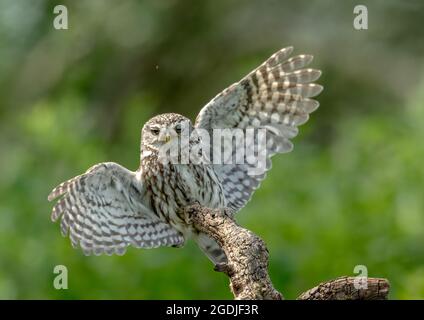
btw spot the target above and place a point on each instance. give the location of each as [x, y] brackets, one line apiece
[350, 194]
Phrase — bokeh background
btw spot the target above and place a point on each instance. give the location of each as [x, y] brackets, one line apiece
[350, 194]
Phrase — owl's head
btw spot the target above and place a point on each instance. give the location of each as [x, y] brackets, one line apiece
[162, 129]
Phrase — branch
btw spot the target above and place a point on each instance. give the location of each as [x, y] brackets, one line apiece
[343, 288]
[247, 254]
[247, 266]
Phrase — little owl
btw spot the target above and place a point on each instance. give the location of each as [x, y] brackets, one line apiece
[109, 208]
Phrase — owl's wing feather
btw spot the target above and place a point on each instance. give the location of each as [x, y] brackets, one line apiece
[276, 97]
[102, 210]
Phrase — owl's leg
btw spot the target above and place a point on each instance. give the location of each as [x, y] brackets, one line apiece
[211, 248]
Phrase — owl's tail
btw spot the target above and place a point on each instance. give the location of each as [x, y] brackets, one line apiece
[211, 248]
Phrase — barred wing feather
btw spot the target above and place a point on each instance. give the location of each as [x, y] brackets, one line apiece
[276, 97]
[103, 212]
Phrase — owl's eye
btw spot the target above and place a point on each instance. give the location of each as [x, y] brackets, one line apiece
[155, 130]
[177, 128]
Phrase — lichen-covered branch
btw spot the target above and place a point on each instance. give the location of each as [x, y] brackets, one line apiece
[247, 254]
[343, 288]
[247, 266]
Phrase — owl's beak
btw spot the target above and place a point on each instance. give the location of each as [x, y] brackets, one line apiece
[164, 138]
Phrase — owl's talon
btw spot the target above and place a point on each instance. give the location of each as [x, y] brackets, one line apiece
[220, 267]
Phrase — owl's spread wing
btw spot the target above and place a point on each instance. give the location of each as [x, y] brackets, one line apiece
[103, 212]
[275, 97]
